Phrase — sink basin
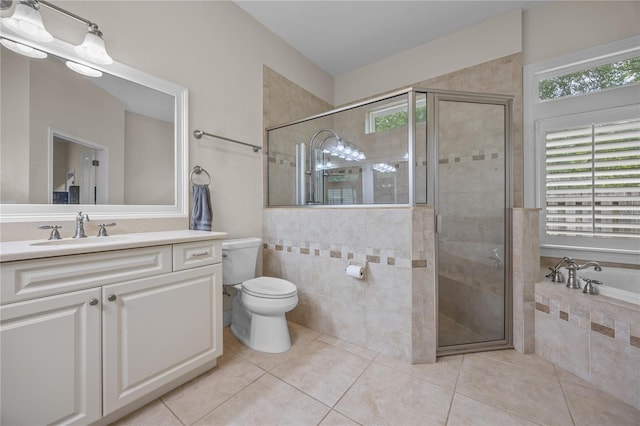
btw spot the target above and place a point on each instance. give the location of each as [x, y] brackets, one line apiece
[78, 241]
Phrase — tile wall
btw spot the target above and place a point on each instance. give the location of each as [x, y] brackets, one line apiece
[595, 337]
[392, 310]
[525, 247]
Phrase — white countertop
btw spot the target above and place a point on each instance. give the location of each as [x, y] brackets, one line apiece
[36, 249]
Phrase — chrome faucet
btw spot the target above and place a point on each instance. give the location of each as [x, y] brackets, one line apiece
[573, 267]
[80, 220]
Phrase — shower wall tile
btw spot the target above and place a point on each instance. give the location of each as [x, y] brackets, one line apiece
[525, 273]
[501, 76]
[424, 303]
[392, 310]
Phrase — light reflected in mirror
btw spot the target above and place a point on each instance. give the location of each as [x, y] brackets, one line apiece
[72, 139]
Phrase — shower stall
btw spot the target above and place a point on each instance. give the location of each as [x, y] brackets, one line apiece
[418, 147]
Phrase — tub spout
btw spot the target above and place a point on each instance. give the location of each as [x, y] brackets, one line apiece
[596, 266]
[573, 267]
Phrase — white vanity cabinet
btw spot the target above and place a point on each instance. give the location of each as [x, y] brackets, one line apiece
[87, 338]
[156, 329]
[50, 356]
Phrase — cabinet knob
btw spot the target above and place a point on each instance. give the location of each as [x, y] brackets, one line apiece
[93, 302]
[112, 297]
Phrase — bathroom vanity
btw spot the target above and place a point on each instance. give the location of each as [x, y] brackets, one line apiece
[94, 328]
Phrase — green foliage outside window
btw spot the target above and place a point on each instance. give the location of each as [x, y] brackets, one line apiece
[399, 119]
[606, 76]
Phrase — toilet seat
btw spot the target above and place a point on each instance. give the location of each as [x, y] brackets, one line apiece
[269, 288]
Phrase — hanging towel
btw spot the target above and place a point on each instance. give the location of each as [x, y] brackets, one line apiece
[201, 215]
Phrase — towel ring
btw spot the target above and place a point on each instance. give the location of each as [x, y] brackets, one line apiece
[198, 170]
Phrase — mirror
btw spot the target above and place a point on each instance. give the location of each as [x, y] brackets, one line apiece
[113, 145]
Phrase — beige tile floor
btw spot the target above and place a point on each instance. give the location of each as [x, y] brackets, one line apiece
[326, 381]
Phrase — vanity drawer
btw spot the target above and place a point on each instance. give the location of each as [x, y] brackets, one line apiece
[28, 279]
[196, 254]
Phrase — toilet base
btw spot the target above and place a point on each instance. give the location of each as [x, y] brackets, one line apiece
[269, 334]
[264, 333]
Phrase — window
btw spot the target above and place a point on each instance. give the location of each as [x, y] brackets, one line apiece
[582, 152]
[616, 74]
[394, 115]
[593, 180]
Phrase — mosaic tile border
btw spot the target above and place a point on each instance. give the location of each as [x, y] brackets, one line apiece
[465, 157]
[288, 160]
[589, 318]
[392, 258]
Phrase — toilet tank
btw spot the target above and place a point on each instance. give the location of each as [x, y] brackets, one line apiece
[239, 259]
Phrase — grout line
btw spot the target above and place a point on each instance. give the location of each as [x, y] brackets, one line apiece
[455, 386]
[229, 398]
[564, 394]
[506, 410]
[349, 388]
[520, 416]
[170, 410]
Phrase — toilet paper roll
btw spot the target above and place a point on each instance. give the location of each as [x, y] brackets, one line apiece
[355, 271]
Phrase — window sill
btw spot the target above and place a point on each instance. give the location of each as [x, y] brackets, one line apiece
[626, 256]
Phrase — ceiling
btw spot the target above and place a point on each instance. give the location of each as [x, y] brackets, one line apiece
[340, 36]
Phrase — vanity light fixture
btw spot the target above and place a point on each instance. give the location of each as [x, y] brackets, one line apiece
[384, 168]
[92, 48]
[23, 49]
[27, 21]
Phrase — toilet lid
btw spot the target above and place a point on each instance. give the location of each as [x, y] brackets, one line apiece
[270, 287]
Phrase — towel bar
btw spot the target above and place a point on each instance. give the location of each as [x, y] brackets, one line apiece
[199, 133]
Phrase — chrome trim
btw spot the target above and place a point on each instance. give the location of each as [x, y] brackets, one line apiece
[411, 146]
[344, 108]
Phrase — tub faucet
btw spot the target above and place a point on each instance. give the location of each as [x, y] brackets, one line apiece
[573, 267]
[80, 220]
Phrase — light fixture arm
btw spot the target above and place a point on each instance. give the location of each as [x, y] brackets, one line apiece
[93, 27]
[26, 20]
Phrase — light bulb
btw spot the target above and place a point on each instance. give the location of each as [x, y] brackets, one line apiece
[23, 49]
[83, 69]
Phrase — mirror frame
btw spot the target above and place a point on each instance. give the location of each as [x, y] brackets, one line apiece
[179, 209]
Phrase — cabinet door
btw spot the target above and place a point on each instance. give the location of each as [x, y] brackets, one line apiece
[50, 360]
[157, 329]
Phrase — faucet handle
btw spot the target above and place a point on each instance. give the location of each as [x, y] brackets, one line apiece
[555, 275]
[103, 231]
[55, 235]
[588, 287]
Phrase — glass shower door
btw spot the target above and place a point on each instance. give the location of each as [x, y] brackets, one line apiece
[472, 227]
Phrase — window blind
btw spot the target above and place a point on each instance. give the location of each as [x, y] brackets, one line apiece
[593, 180]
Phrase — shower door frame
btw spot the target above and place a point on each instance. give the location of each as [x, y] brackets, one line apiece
[433, 98]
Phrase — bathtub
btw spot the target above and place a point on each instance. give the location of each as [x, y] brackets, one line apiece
[617, 283]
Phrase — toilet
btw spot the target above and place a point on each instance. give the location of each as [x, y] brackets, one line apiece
[259, 305]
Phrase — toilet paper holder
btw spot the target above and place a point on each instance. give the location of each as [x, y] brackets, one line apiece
[362, 266]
